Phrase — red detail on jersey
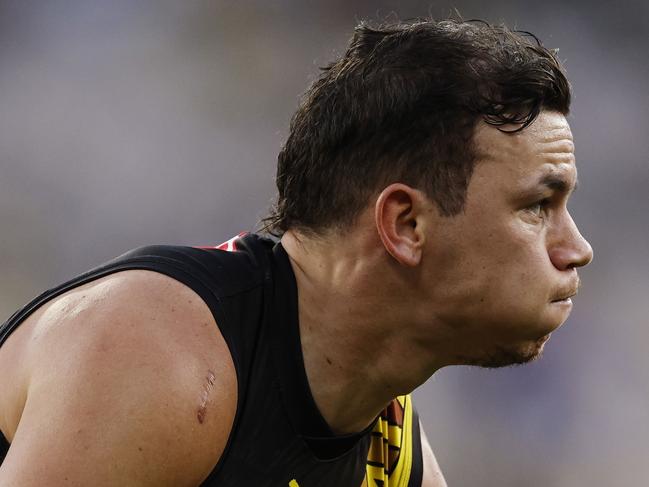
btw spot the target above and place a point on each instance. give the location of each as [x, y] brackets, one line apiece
[228, 245]
[394, 413]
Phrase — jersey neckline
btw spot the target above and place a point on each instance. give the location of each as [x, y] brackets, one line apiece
[296, 392]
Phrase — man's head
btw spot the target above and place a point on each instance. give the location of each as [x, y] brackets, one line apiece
[453, 136]
[402, 105]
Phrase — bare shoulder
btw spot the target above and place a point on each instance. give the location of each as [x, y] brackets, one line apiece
[125, 380]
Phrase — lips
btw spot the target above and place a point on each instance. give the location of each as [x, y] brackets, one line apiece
[564, 298]
[566, 294]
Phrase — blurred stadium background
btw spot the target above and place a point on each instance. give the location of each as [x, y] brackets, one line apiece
[128, 123]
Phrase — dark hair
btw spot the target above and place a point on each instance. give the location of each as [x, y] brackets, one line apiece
[401, 105]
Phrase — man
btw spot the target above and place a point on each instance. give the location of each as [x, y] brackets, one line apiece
[423, 222]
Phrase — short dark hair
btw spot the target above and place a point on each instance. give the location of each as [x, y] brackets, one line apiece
[401, 105]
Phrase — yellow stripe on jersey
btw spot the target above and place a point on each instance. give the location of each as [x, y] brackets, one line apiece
[389, 460]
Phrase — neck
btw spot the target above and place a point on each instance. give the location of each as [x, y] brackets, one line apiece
[357, 341]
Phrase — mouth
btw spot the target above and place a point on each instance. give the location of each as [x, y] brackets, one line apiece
[564, 301]
[566, 296]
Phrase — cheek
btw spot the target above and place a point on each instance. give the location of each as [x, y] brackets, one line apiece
[500, 279]
[487, 263]
[518, 247]
[507, 265]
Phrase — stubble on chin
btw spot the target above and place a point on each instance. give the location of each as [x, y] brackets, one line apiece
[504, 356]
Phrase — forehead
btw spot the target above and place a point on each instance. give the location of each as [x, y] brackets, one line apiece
[546, 146]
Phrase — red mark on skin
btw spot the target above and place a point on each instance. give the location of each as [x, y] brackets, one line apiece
[201, 414]
[207, 388]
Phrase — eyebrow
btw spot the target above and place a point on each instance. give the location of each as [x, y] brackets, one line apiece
[558, 183]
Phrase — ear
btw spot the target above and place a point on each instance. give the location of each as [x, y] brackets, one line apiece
[397, 214]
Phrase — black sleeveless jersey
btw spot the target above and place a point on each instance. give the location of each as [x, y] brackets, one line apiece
[279, 438]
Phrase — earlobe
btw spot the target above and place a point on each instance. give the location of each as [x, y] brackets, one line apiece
[396, 214]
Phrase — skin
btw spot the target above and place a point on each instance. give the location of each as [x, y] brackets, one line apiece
[103, 386]
[484, 287]
[145, 378]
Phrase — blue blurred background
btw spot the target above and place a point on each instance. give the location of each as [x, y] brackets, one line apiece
[128, 123]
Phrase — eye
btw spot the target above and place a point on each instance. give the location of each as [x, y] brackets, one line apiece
[538, 207]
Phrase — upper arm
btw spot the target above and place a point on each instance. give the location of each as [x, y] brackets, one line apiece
[432, 476]
[129, 384]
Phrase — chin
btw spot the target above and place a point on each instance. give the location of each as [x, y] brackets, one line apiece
[515, 355]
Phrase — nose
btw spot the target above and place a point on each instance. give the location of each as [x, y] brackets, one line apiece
[570, 249]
